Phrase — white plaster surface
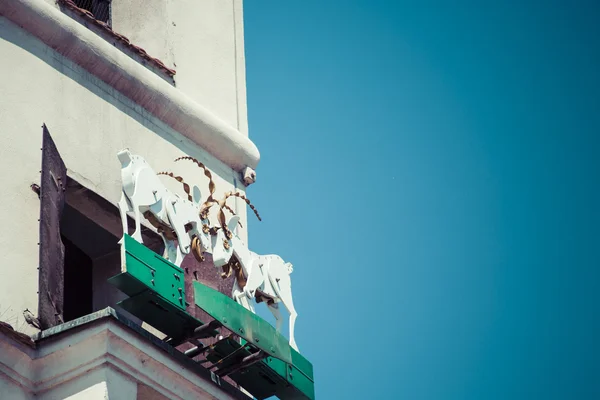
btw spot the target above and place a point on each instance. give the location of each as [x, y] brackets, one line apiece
[202, 40]
[123, 74]
[90, 121]
[211, 54]
[146, 23]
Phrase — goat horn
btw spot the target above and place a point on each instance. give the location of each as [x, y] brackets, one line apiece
[186, 187]
[241, 196]
[211, 184]
[222, 205]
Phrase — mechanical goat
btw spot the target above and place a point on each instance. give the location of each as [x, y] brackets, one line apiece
[175, 218]
[265, 278]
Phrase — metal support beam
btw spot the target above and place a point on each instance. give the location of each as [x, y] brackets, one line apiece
[194, 351]
[246, 362]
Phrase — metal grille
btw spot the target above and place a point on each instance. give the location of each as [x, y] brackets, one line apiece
[99, 8]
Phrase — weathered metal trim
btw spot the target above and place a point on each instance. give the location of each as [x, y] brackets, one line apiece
[51, 279]
[115, 68]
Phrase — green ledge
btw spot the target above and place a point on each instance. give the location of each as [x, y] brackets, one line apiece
[290, 375]
[156, 293]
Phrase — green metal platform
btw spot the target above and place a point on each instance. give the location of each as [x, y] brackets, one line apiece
[286, 371]
[155, 288]
[262, 361]
[270, 377]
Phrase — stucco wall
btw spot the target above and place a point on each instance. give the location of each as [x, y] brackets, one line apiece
[202, 40]
[89, 122]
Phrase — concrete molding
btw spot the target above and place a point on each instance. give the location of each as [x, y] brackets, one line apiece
[115, 68]
[16, 378]
[67, 355]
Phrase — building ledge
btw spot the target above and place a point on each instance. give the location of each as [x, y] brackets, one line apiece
[104, 30]
[167, 103]
[9, 332]
[104, 352]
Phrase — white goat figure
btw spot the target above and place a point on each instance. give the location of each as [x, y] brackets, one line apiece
[263, 277]
[144, 193]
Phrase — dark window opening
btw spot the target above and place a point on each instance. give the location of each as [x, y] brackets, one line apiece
[91, 257]
[90, 228]
[78, 282]
[100, 9]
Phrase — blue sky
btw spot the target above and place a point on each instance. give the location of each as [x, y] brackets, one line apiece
[432, 171]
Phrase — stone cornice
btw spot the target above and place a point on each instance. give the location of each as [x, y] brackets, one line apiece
[105, 340]
[115, 68]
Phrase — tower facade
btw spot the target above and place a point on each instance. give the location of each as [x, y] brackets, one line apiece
[82, 80]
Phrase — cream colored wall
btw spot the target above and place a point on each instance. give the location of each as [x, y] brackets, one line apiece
[89, 122]
[202, 40]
